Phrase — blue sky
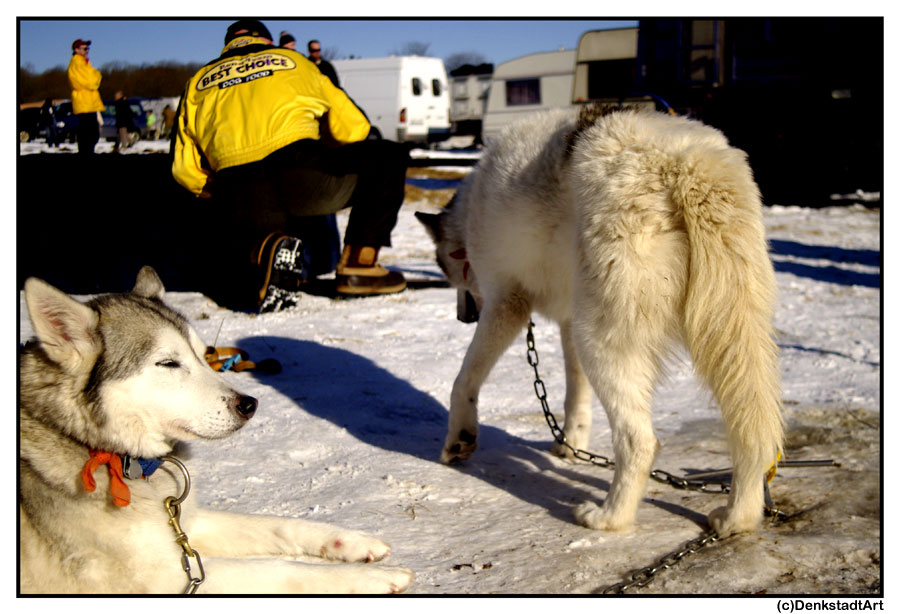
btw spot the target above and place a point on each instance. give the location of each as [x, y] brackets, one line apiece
[44, 43]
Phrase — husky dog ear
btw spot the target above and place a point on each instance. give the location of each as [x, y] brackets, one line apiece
[432, 223]
[148, 284]
[66, 329]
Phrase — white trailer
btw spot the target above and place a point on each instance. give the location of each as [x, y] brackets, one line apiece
[406, 98]
[527, 84]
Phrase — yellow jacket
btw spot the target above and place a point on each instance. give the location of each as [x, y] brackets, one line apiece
[251, 101]
[85, 82]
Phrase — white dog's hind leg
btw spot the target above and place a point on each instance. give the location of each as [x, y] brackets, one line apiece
[623, 375]
[625, 313]
[223, 534]
[499, 322]
[577, 427]
[224, 576]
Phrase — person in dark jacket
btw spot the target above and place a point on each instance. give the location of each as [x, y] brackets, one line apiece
[325, 67]
[48, 121]
[124, 122]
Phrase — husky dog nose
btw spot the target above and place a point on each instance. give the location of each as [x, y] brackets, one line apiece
[245, 406]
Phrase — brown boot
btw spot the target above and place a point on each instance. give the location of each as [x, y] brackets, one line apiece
[358, 273]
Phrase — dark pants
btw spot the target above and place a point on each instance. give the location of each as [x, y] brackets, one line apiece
[306, 178]
[88, 132]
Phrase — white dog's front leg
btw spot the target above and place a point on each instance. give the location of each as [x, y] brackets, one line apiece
[223, 534]
[224, 576]
[499, 322]
[577, 426]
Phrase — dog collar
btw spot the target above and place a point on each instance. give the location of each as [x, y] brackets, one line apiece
[135, 468]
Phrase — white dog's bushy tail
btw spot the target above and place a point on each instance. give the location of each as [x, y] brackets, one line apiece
[728, 310]
[674, 243]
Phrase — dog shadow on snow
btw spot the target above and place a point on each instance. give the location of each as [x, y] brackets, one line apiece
[382, 410]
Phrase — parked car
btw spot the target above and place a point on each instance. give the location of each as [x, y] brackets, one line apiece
[108, 129]
[29, 124]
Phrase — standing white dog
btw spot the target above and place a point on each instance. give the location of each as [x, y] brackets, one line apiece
[123, 378]
[633, 230]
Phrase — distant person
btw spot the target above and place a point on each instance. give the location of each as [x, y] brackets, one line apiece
[86, 103]
[168, 120]
[124, 122]
[48, 121]
[287, 41]
[152, 127]
[252, 142]
[325, 67]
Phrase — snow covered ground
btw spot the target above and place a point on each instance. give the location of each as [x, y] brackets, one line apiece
[350, 433]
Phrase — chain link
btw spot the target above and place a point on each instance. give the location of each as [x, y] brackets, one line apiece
[645, 576]
[683, 483]
[541, 392]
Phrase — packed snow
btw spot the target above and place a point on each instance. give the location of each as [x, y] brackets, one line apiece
[351, 431]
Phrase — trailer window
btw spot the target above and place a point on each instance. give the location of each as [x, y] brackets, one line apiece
[416, 86]
[436, 87]
[523, 91]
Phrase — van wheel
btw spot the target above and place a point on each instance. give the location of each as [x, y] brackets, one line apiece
[24, 137]
[374, 134]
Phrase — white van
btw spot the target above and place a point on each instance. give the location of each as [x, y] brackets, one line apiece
[406, 98]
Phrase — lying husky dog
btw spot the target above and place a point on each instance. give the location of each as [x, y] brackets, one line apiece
[123, 378]
[633, 230]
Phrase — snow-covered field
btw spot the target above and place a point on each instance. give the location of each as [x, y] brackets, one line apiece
[350, 433]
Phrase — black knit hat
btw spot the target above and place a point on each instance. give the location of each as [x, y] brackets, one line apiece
[254, 27]
[285, 39]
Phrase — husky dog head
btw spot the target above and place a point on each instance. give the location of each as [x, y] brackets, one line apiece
[123, 372]
[446, 230]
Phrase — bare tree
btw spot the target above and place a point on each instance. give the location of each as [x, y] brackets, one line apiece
[455, 60]
[331, 53]
[413, 48]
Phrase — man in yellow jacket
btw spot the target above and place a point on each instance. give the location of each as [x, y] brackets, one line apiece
[86, 103]
[270, 139]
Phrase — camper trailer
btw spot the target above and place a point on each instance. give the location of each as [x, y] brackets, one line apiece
[406, 98]
[605, 65]
[469, 87]
[524, 85]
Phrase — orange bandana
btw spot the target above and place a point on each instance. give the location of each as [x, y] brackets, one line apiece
[118, 488]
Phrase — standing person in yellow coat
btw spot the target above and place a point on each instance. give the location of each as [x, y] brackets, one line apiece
[86, 102]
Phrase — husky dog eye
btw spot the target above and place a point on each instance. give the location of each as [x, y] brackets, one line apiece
[171, 364]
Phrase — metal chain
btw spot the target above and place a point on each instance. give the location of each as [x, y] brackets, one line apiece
[173, 508]
[645, 576]
[541, 392]
[683, 483]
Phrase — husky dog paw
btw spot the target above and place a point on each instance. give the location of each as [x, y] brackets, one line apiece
[562, 451]
[385, 580]
[355, 547]
[596, 517]
[349, 580]
[724, 521]
[459, 448]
